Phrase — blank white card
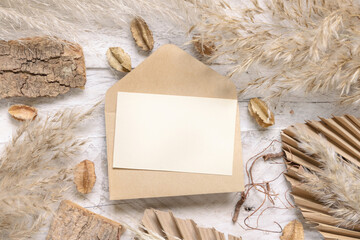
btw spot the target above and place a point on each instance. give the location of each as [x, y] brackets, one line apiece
[174, 133]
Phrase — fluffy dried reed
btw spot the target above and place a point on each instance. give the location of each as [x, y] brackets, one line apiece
[34, 172]
[69, 18]
[307, 45]
[337, 186]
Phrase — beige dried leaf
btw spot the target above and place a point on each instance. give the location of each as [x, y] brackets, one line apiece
[293, 231]
[261, 113]
[119, 59]
[142, 35]
[84, 176]
[205, 48]
[22, 112]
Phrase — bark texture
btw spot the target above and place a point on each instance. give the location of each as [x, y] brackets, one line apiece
[73, 222]
[40, 66]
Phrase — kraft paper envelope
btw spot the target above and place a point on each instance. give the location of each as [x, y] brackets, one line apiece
[170, 71]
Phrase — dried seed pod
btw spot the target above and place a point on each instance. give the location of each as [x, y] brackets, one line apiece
[293, 231]
[205, 48]
[84, 176]
[260, 111]
[119, 59]
[141, 33]
[22, 112]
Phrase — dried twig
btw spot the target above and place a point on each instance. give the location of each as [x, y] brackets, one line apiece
[238, 206]
[273, 155]
[263, 187]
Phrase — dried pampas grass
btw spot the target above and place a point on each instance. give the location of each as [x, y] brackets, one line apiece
[307, 45]
[323, 169]
[34, 172]
[337, 185]
[68, 18]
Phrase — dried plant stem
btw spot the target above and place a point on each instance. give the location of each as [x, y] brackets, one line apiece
[238, 207]
[273, 155]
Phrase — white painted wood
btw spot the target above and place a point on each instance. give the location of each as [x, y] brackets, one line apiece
[207, 210]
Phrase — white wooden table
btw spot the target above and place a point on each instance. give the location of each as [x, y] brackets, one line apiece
[213, 210]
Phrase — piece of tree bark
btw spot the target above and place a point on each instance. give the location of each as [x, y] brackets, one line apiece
[75, 222]
[40, 66]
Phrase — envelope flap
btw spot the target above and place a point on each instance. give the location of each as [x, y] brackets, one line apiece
[172, 71]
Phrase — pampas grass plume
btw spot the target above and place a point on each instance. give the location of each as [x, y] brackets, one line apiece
[35, 172]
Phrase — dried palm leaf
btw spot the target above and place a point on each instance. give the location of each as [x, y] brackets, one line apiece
[324, 172]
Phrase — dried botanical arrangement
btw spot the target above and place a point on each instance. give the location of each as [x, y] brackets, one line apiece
[75, 222]
[40, 66]
[118, 59]
[84, 176]
[22, 112]
[142, 34]
[165, 225]
[294, 230]
[311, 46]
[27, 198]
[323, 169]
[259, 110]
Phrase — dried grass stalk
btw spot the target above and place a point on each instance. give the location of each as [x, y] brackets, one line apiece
[68, 18]
[307, 45]
[337, 186]
[35, 172]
